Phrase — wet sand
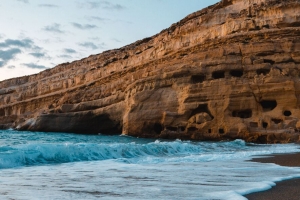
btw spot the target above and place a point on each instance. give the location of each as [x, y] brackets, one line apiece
[289, 189]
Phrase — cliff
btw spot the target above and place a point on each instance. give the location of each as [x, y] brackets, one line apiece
[229, 71]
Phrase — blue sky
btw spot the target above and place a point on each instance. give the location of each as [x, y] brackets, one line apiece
[39, 34]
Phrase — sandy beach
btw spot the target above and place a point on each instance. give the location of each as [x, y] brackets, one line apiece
[289, 189]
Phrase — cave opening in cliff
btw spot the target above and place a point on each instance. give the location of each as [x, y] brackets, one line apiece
[244, 114]
[218, 74]
[192, 129]
[203, 108]
[157, 127]
[198, 78]
[117, 129]
[253, 124]
[2, 112]
[269, 61]
[277, 121]
[174, 129]
[221, 131]
[268, 105]
[237, 73]
[287, 113]
[267, 26]
[265, 124]
[263, 71]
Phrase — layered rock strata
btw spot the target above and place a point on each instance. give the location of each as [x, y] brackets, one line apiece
[230, 71]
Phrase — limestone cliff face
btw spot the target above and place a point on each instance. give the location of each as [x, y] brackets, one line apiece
[229, 71]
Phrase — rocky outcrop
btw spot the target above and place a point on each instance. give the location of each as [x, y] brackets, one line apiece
[229, 71]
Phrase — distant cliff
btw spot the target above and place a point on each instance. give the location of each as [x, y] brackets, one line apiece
[229, 71]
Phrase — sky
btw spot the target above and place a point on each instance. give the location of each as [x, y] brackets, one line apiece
[37, 34]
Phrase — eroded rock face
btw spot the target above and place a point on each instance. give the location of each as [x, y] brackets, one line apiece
[226, 72]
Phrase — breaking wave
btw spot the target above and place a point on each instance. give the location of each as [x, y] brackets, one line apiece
[42, 149]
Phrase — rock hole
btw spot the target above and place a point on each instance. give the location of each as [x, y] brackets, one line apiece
[201, 108]
[192, 129]
[237, 73]
[269, 61]
[218, 74]
[266, 26]
[287, 113]
[182, 128]
[265, 124]
[244, 114]
[221, 131]
[198, 78]
[295, 24]
[172, 128]
[263, 71]
[183, 54]
[268, 105]
[277, 121]
[2, 112]
[209, 130]
[157, 128]
[266, 53]
[254, 124]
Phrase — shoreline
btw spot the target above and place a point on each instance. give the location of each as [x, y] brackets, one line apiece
[287, 189]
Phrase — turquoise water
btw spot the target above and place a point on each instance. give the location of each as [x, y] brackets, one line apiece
[69, 166]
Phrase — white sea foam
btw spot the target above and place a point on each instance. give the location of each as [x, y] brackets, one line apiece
[66, 166]
[115, 180]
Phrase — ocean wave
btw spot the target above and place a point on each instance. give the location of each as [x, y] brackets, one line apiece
[33, 154]
[36, 148]
[52, 153]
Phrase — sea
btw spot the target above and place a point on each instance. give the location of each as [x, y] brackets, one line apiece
[39, 165]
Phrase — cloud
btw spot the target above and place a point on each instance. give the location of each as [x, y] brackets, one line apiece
[114, 7]
[70, 51]
[11, 67]
[93, 4]
[24, 1]
[92, 45]
[110, 6]
[34, 66]
[26, 43]
[116, 40]
[84, 26]
[55, 28]
[94, 38]
[38, 55]
[89, 45]
[10, 48]
[101, 4]
[8, 55]
[65, 56]
[48, 5]
[98, 18]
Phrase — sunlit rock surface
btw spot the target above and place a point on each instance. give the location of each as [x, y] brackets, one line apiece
[228, 71]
